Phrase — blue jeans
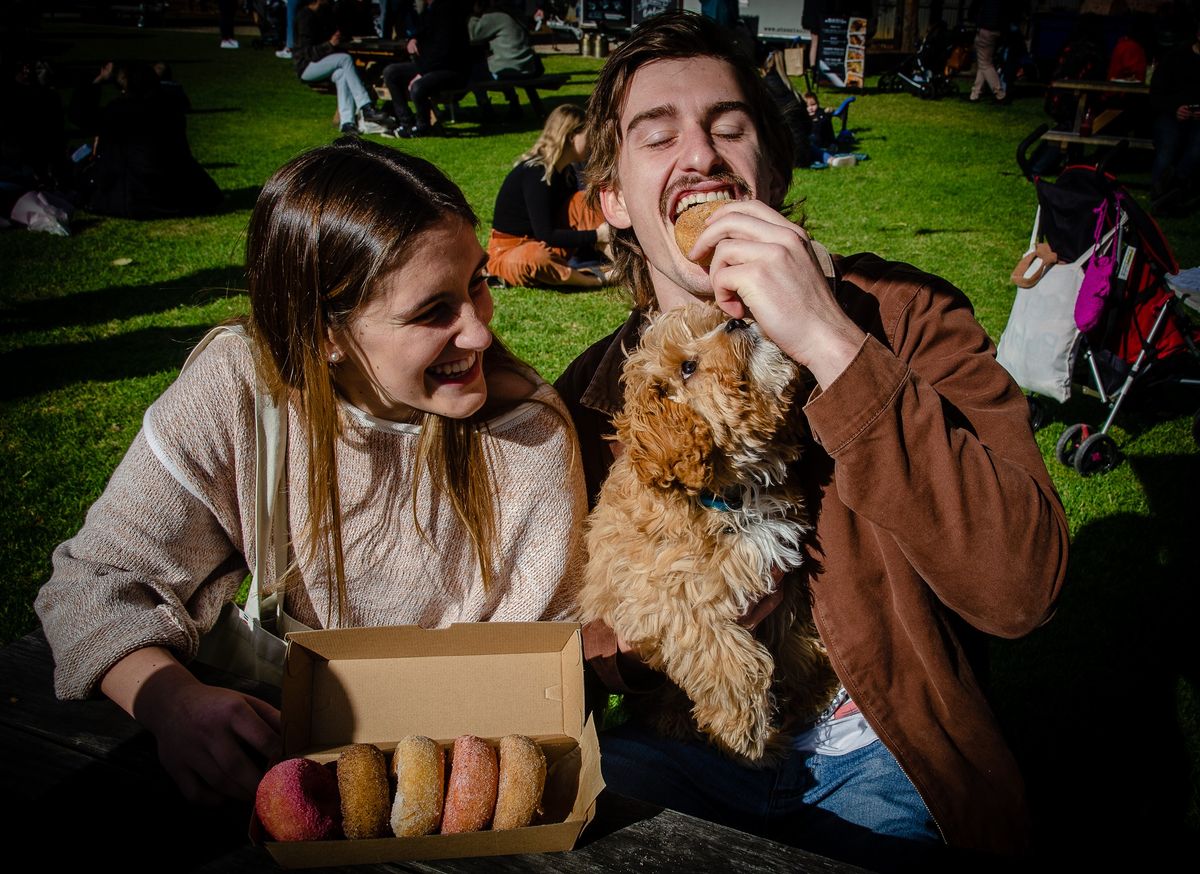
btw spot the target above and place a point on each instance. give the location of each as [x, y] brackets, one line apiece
[293, 6]
[350, 91]
[859, 807]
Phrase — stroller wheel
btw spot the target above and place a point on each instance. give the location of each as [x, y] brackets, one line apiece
[1037, 413]
[890, 83]
[1069, 443]
[1097, 454]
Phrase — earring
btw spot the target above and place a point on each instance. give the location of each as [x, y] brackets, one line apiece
[335, 357]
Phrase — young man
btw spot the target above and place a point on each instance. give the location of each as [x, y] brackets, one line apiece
[934, 512]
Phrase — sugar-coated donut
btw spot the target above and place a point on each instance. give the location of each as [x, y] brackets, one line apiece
[363, 783]
[419, 766]
[471, 792]
[522, 779]
[689, 225]
[297, 800]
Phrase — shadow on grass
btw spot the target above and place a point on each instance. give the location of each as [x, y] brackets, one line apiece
[1092, 701]
[120, 302]
[38, 369]
[238, 199]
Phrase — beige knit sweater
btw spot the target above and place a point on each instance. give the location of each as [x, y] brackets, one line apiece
[171, 538]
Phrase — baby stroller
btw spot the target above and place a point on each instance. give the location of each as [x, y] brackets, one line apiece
[924, 73]
[1094, 308]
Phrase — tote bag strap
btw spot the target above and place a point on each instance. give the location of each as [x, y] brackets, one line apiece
[270, 527]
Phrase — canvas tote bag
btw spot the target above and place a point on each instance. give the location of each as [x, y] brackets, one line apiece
[248, 641]
[1038, 344]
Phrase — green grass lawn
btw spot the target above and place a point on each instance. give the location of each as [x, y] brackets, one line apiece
[1101, 705]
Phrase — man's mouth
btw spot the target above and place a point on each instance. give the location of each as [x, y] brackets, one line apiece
[697, 197]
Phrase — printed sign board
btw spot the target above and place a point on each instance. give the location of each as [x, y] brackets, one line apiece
[841, 52]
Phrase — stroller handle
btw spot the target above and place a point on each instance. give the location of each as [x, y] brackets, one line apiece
[1023, 150]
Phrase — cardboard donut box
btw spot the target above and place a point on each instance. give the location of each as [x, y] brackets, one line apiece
[490, 679]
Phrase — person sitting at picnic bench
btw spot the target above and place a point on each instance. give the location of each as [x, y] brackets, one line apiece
[440, 53]
[317, 58]
[430, 476]
[935, 519]
[541, 223]
[1175, 100]
[509, 53]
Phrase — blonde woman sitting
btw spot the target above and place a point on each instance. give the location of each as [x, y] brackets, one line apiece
[541, 221]
[431, 477]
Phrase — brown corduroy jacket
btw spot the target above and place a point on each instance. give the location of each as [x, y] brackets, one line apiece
[933, 511]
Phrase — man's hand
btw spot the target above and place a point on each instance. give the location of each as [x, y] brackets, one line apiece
[412, 48]
[764, 266]
[215, 743]
[336, 39]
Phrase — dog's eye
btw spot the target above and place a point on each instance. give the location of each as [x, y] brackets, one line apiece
[687, 368]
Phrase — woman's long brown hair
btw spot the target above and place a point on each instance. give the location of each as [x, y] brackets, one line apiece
[327, 226]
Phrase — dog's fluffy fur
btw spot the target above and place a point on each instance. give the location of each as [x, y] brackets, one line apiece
[708, 414]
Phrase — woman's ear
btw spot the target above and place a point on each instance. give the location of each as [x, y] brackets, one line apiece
[333, 351]
[612, 204]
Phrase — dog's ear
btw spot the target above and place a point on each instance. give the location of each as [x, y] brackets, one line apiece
[664, 440]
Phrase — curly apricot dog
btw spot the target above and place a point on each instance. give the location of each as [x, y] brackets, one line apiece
[696, 523]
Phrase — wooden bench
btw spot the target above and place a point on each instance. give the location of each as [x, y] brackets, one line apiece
[449, 100]
[1067, 137]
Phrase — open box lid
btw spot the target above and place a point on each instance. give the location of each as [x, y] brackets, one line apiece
[376, 685]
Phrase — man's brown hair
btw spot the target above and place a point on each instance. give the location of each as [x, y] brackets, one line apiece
[670, 36]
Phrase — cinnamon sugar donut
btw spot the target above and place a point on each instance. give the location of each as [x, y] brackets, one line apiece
[522, 779]
[363, 784]
[471, 792]
[419, 765]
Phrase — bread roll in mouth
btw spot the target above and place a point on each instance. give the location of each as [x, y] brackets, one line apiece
[690, 224]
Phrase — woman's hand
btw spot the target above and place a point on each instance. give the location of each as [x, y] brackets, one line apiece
[604, 234]
[336, 39]
[215, 743]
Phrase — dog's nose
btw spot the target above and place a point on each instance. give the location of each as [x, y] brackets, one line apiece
[734, 325]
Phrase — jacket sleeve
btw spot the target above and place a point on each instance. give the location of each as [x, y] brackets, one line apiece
[931, 443]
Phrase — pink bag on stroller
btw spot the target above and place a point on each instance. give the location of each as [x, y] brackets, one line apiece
[1100, 271]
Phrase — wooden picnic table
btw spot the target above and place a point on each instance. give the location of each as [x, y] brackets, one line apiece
[1091, 94]
[82, 784]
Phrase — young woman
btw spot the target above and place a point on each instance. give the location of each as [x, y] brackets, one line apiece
[317, 58]
[431, 477]
[541, 219]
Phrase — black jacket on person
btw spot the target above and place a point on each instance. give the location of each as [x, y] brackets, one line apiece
[442, 39]
[313, 30]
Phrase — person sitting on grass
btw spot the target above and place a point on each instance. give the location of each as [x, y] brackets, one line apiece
[541, 222]
[431, 477]
[317, 59]
[142, 165]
